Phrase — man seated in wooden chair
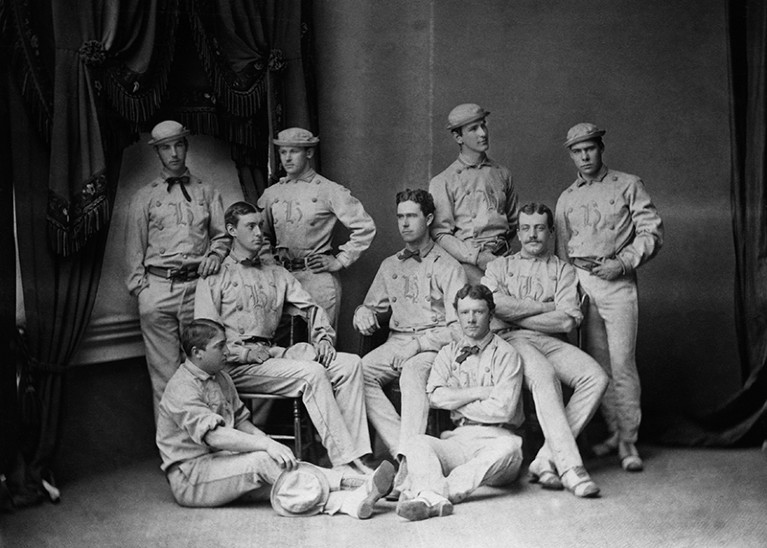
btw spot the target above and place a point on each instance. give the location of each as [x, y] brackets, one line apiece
[248, 298]
[536, 296]
[417, 285]
[213, 455]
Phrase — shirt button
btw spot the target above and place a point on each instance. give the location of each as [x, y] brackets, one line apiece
[154, 184]
[569, 209]
[468, 193]
[427, 299]
[612, 201]
[615, 177]
[314, 200]
[158, 203]
[428, 274]
[434, 318]
[185, 256]
[239, 307]
[161, 227]
[242, 331]
[487, 369]
[570, 250]
[201, 202]
[394, 299]
[311, 223]
[458, 170]
[511, 274]
[235, 284]
[612, 227]
[394, 276]
[575, 232]
[396, 322]
[162, 251]
[276, 200]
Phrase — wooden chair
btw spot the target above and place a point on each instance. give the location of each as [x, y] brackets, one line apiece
[296, 429]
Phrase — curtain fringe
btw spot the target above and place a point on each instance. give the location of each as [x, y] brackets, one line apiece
[238, 103]
[67, 237]
[137, 109]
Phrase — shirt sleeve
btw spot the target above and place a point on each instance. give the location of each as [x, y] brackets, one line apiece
[135, 246]
[566, 296]
[362, 228]
[562, 233]
[187, 409]
[443, 226]
[648, 228]
[377, 298]
[264, 205]
[512, 207]
[439, 376]
[220, 242]
[502, 404]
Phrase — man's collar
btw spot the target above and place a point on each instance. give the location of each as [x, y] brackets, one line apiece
[425, 249]
[197, 372]
[481, 344]
[544, 257]
[483, 161]
[239, 258]
[306, 177]
[580, 181]
[165, 174]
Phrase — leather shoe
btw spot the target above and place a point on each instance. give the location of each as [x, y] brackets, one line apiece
[579, 483]
[630, 459]
[425, 505]
[545, 475]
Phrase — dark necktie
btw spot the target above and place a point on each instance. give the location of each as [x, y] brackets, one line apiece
[182, 182]
[466, 351]
[407, 254]
[253, 261]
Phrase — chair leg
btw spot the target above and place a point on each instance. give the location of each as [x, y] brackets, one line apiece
[297, 427]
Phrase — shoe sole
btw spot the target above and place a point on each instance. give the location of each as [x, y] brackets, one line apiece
[417, 510]
[383, 478]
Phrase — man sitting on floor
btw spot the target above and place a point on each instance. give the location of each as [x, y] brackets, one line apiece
[248, 298]
[212, 454]
[479, 379]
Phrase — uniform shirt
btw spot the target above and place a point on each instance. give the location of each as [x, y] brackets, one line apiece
[194, 403]
[476, 204]
[419, 294]
[167, 231]
[611, 216]
[249, 301]
[301, 215]
[498, 365]
[526, 280]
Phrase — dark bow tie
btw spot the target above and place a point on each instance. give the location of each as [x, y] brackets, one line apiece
[466, 351]
[253, 261]
[182, 182]
[406, 254]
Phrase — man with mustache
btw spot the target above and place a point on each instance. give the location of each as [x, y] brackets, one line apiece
[476, 216]
[607, 226]
[536, 296]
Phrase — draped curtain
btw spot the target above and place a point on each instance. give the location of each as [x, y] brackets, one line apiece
[82, 78]
[742, 420]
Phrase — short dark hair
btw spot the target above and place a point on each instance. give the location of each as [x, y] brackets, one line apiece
[477, 292]
[198, 333]
[236, 210]
[534, 208]
[419, 196]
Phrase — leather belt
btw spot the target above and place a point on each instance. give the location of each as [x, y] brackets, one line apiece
[296, 264]
[586, 263]
[468, 422]
[182, 274]
[258, 340]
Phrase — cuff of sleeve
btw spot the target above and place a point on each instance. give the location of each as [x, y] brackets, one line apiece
[205, 426]
[626, 264]
[344, 259]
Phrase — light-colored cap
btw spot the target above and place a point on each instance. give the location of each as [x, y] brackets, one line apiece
[167, 131]
[465, 114]
[583, 132]
[300, 492]
[296, 137]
